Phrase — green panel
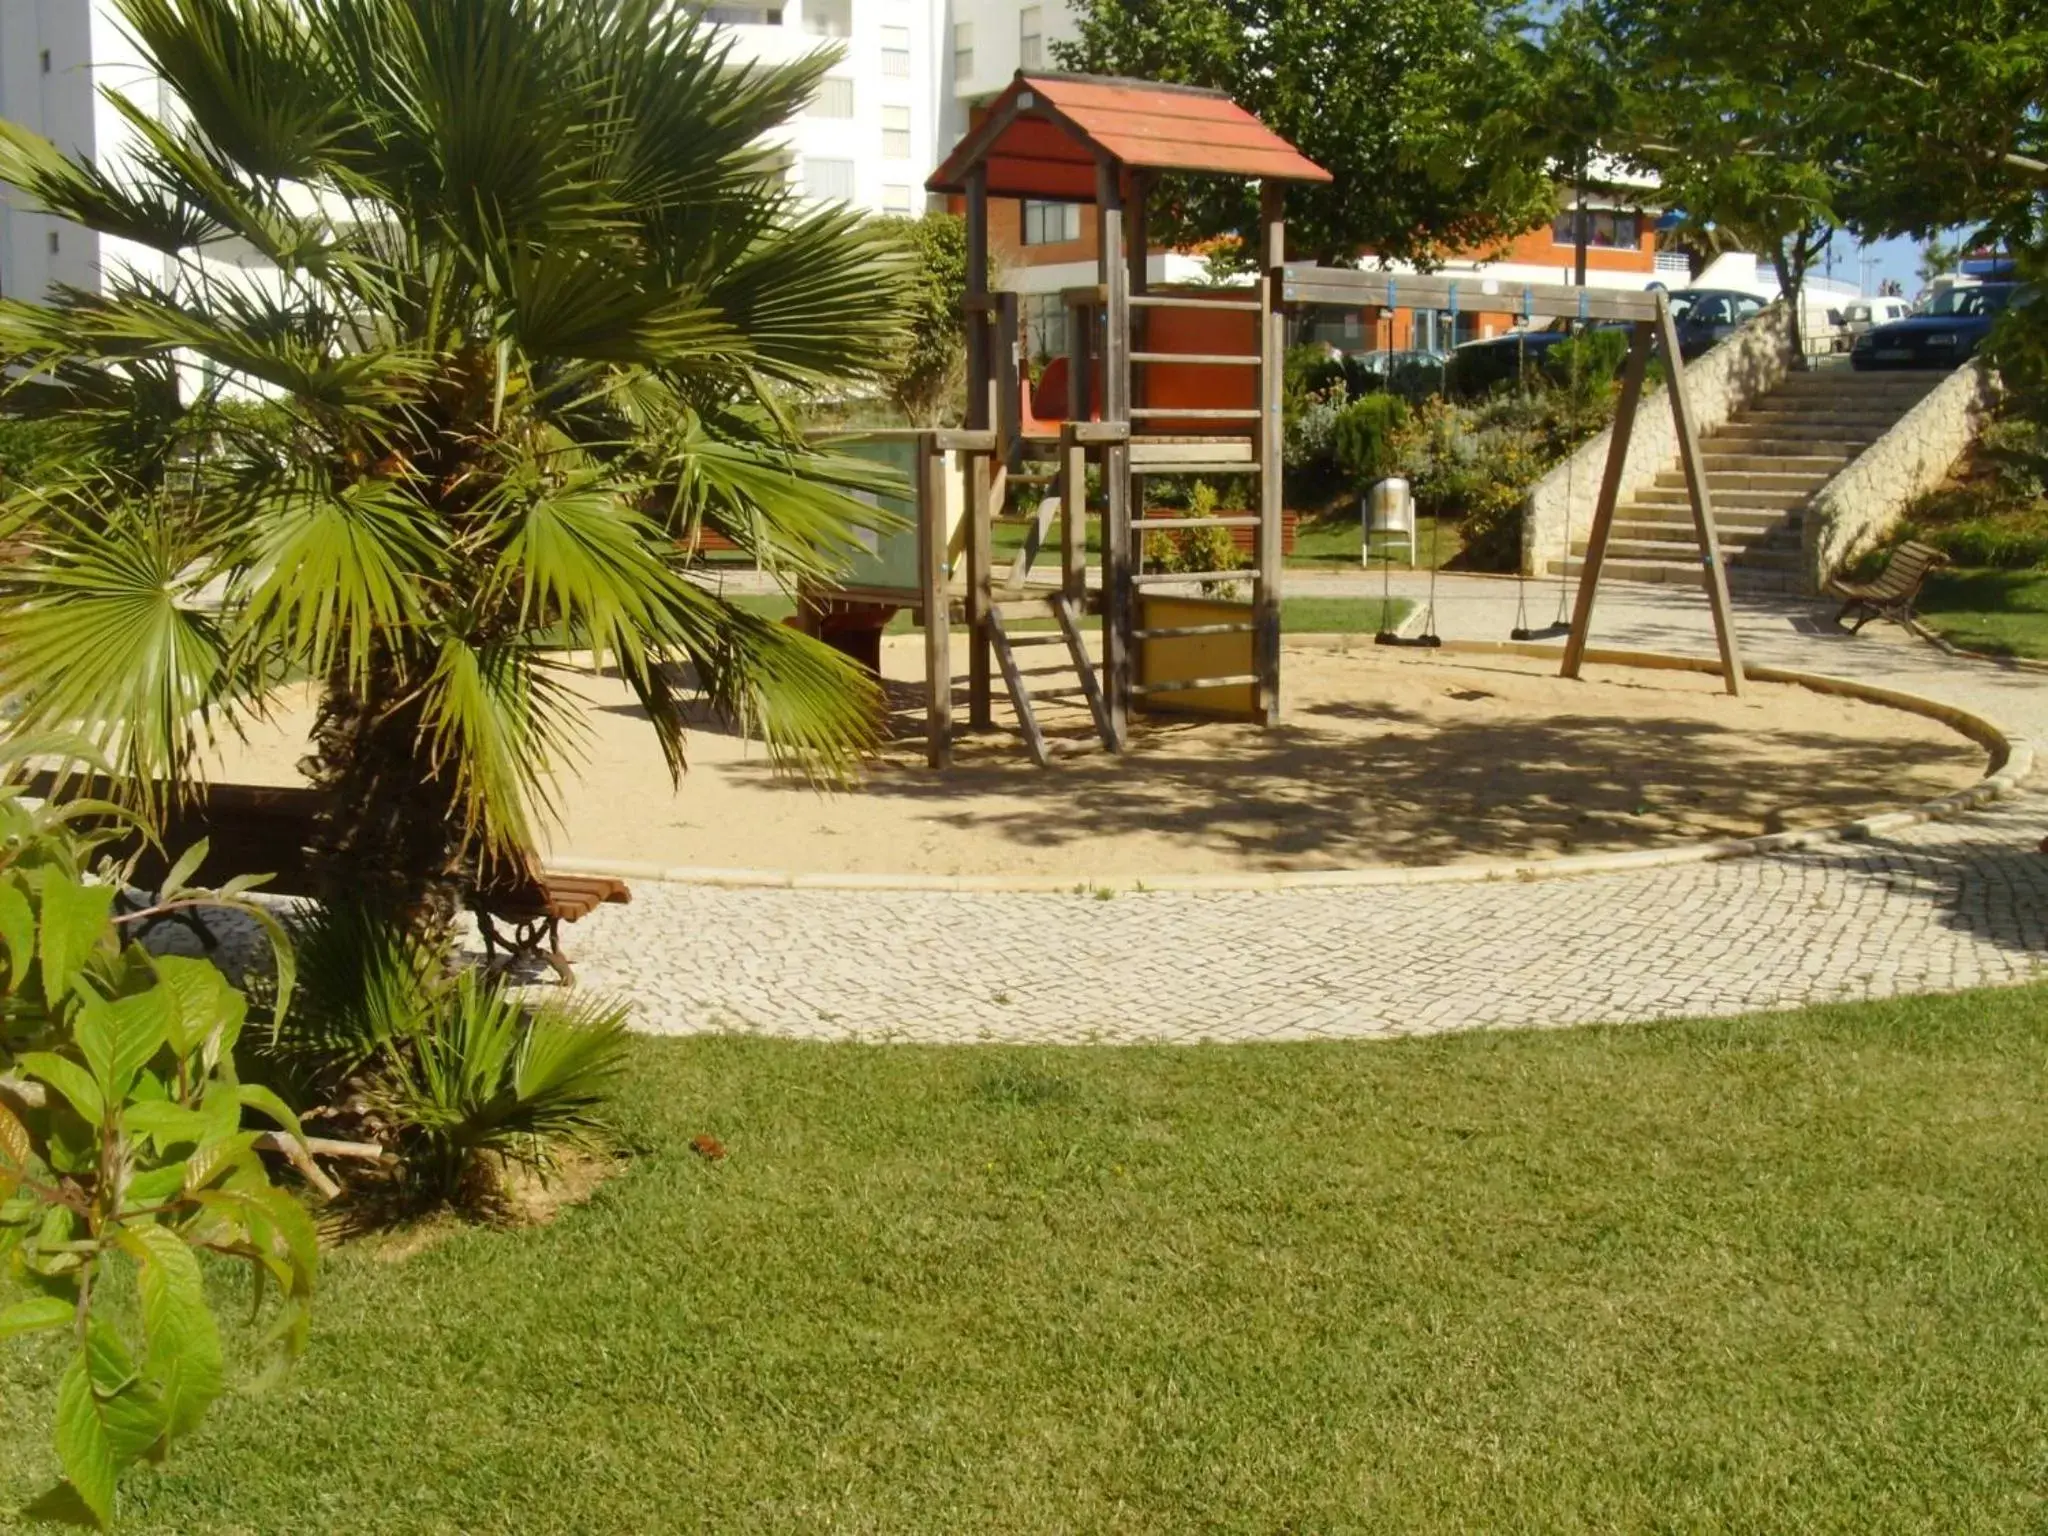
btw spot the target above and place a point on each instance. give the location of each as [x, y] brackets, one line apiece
[889, 559]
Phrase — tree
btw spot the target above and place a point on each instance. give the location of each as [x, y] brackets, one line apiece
[928, 383]
[1738, 110]
[1384, 94]
[537, 293]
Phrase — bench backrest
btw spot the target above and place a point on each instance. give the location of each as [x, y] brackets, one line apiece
[1907, 568]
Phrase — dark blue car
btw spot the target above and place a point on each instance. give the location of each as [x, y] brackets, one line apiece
[1949, 330]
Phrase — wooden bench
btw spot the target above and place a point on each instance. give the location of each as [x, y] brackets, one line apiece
[1894, 591]
[268, 829]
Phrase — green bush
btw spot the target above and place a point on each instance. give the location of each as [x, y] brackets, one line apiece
[124, 1158]
[1365, 437]
[444, 1066]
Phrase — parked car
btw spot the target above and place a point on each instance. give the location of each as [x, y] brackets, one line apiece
[1478, 366]
[1942, 335]
[1706, 316]
[1859, 315]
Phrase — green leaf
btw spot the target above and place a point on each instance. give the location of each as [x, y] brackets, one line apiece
[164, 1123]
[157, 1185]
[199, 1000]
[34, 1315]
[68, 1078]
[181, 872]
[184, 1356]
[74, 917]
[261, 1099]
[118, 1038]
[17, 932]
[106, 1419]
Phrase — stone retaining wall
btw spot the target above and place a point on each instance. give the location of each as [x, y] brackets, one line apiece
[1742, 369]
[1864, 502]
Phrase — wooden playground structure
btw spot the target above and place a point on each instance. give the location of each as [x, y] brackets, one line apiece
[1158, 380]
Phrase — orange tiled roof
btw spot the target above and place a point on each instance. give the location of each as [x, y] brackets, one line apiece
[1042, 137]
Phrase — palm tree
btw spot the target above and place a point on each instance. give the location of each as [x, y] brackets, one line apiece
[461, 321]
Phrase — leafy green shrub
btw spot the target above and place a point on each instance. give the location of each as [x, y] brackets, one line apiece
[1365, 437]
[444, 1066]
[122, 1148]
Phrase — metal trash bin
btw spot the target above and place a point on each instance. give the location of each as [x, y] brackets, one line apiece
[1387, 509]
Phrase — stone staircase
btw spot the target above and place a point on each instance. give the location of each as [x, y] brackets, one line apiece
[1763, 468]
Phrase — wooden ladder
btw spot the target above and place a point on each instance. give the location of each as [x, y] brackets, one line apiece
[1014, 677]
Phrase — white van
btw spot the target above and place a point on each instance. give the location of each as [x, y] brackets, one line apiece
[1859, 315]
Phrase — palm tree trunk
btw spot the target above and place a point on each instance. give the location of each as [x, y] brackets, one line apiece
[393, 838]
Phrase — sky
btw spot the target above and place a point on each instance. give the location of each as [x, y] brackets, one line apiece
[1896, 258]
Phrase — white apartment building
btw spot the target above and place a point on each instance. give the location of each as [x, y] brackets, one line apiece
[897, 99]
[54, 57]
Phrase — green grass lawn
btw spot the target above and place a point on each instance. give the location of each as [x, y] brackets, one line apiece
[2004, 612]
[1780, 1273]
[1298, 615]
[1332, 542]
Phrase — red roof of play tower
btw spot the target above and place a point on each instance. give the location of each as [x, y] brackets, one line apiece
[1043, 136]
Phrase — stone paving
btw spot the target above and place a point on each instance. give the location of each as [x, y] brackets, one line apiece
[1934, 907]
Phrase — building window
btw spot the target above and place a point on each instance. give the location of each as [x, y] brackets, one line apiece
[896, 51]
[1051, 223]
[828, 181]
[1031, 37]
[834, 98]
[55, 242]
[1045, 325]
[1605, 230]
[744, 15]
[963, 50]
[896, 198]
[46, 61]
[895, 133]
[828, 18]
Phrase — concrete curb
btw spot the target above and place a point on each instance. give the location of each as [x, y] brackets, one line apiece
[2012, 760]
[1991, 658]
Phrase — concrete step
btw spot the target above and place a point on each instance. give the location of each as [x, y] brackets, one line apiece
[1721, 481]
[1756, 557]
[1848, 381]
[1675, 496]
[1641, 531]
[1683, 573]
[1777, 412]
[1792, 429]
[1726, 519]
[1748, 461]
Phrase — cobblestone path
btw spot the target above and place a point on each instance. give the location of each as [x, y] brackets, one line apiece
[1934, 907]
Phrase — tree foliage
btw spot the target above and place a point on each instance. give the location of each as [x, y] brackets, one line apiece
[928, 379]
[527, 290]
[122, 1147]
[1384, 94]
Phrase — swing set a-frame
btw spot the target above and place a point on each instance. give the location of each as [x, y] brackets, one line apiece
[1162, 380]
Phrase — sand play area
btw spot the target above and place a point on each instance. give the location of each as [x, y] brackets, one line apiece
[1385, 758]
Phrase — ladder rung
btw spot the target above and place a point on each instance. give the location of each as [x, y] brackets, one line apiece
[1188, 413]
[1059, 693]
[1038, 637]
[1198, 467]
[1206, 359]
[1190, 684]
[1176, 631]
[1161, 524]
[1160, 578]
[1176, 301]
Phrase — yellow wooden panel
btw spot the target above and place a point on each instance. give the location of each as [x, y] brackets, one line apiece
[1166, 660]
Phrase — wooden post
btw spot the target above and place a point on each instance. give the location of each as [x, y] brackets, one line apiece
[1702, 501]
[1641, 339]
[1267, 448]
[1117, 592]
[931, 586]
[980, 556]
[1009, 419]
[1137, 257]
[1073, 518]
[980, 385]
